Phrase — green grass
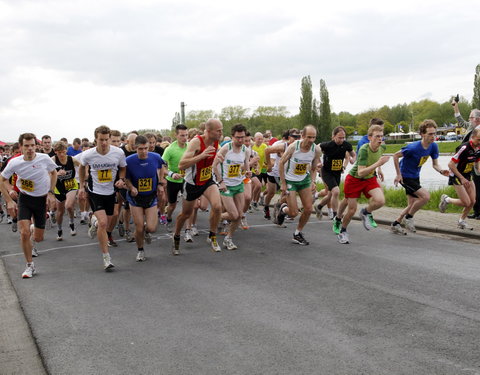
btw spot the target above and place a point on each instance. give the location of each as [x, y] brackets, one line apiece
[443, 147]
[396, 197]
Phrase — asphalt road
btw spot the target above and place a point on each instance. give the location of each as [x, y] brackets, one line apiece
[384, 304]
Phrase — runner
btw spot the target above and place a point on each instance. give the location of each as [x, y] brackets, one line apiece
[361, 179]
[175, 177]
[36, 180]
[297, 170]
[248, 181]
[465, 161]
[259, 147]
[414, 155]
[66, 188]
[104, 161]
[334, 162]
[234, 168]
[47, 146]
[144, 175]
[197, 162]
[124, 214]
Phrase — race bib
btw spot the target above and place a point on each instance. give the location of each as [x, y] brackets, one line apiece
[104, 175]
[234, 170]
[144, 184]
[300, 169]
[337, 164]
[70, 184]
[468, 168]
[206, 173]
[181, 172]
[27, 185]
[422, 161]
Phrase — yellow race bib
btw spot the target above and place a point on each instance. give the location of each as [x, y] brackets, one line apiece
[300, 169]
[337, 164]
[27, 185]
[233, 170]
[144, 184]
[104, 175]
[206, 173]
[70, 184]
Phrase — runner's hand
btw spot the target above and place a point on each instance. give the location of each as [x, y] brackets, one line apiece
[445, 172]
[120, 184]
[81, 193]
[209, 152]
[13, 194]
[176, 176]
[398, 179]
[134, 191]
[222, 186]
[12, 208]
[283, 188]
[464, 181]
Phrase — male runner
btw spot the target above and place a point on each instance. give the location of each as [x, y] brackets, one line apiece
[124, 212]
[362, 179]
[47, 146]
[144, 176]
[414, 155]
[465, 161]
[197, 162]
[36, 179]
[259, 147]
[297, 170]
[230, 178]
[104, 162]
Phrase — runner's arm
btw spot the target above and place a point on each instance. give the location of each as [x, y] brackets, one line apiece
[396, 163]
[438, 168]
[363, 170]
[216, 162]
[281, 165]
[189, 158]
[315, 162]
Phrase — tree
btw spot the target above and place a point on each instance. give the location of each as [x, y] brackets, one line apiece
[194, 118]
[233, 115]
[306, 102]
[476, 89]
[325, 118]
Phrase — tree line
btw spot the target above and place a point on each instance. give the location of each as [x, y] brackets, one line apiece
[406, 116]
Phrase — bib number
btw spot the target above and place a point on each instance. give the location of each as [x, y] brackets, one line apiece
[181, 172]
[468, 168]
[70, 184]
[144, 184]
[233, 171]
[337, 164]
[300, 169]
[104, 175]
[27, 185]
[206, 173]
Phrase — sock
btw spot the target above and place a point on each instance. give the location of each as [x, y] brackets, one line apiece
[72, 220]
[365, 212]
[140, 249]
[408, 216]
[319, 206]
[176, 237]
[447, 199]
[109, 234]
[169, 220]
[338, 218]
[283, 210]
[59, 226]
[395, 223]
[334, 213]
[212, 234]
[297, 232]
[343, 230]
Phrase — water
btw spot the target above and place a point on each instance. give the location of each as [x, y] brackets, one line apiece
[429, 177]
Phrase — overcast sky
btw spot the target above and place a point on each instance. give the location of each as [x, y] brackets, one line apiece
[68, 66]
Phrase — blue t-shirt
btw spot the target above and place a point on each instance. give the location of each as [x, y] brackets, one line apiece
[362, 141]
[143, 172]
[414, 156]
[72, 152]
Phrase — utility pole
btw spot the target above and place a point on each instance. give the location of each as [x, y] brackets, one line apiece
[182, 112]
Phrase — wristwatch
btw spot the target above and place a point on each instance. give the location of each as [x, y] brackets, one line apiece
[51, 192]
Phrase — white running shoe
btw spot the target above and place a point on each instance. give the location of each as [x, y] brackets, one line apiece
[73, 232]
[29, 271]
[129, 236]
[92, 231]
[60, 235]
[410, 224]
[194, 230]
[443, 203]
[141, 256]
[343, 238]
[213, 242]
[107, 262]
[244, 223]
[462, 224]
[397, 229]
[34, 250]
[228, 243]
[188, 235]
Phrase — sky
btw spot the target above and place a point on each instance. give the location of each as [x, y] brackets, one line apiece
[67, 67]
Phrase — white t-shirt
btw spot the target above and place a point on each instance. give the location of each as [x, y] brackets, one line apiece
[33, 176]
[103, 169]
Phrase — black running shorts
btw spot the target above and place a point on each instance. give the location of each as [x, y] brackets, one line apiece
[35, 207]
[102, 202]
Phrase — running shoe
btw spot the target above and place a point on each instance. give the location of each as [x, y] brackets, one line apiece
[213, 242]
[443, 203]
[337, 225]
[223, 228]
[60, 235]
[462, 224]
[141, 256]
[73, 232]
[244, 223]
[9, 220]
[107, 262]
[92, 231]
[34, 250]
[2, 216]
[228, 243]
[29, 271]
[163, 219]
[262, 200]
[255, 206]
[299, 239]
[121, 229]
[343, 237]
[281, 215]
[266, 211]
[129, 236]
[111, 242]
[148, 237]
[410, 224]
[276, 207]
[14, 226]
[367, 220]
[330, 214]
[48, 222]
[53, 217]
[176, 245]
[194, 230]
[318, 211]
[397, 229]
[169, 226]
[188, 235]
